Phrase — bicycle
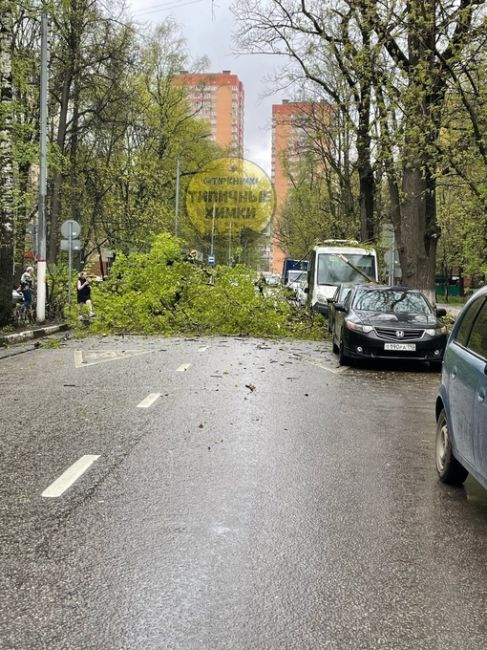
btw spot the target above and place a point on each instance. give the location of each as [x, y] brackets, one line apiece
[23, 314]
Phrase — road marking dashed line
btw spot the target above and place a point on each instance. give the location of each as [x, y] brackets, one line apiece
[67, 478]
[335, 371]
[148, 401]
[83, 359]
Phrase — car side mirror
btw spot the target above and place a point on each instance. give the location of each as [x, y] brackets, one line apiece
[440, 312]
[339, 306]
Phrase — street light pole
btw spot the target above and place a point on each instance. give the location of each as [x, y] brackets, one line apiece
[393, 259]
[41, 240]
[213, 230]
[176, 208]
[230, 246]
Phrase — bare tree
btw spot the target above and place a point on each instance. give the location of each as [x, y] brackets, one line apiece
[399, 55]
[331, 46]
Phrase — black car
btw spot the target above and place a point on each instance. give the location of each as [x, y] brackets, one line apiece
[339, 296]
[380, 322]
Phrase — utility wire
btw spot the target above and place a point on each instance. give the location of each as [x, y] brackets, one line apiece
[167, 6]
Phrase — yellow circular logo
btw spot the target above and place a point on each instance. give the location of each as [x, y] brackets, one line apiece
[230, 193]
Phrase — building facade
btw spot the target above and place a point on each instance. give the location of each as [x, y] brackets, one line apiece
[288, 138]
[219, 99]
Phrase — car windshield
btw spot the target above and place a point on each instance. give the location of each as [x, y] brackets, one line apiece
[334, 270]
[392, 301]
[296, 276]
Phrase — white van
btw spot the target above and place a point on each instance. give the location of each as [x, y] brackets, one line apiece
[335, 262]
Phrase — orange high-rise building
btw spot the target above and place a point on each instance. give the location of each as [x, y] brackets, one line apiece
[287, 138]
[297, 128]
[218, 98]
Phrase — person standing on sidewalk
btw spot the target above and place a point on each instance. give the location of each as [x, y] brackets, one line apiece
[27, 286]
[84, 295]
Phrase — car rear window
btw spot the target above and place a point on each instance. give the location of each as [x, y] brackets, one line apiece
[468, 318]
[478, 337]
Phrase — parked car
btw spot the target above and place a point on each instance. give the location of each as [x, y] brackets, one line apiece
[381, 322]
[294, 279]
[461, 406]
[297, 280]
[302, 291]
[272, 279]
[339, 296]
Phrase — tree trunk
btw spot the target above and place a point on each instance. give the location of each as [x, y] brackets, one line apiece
[6, 164]
[416, 245]
[72, 68]
[58, 175]
[367, 194]
[422, 108]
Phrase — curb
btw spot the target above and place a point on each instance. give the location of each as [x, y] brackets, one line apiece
[18, 337]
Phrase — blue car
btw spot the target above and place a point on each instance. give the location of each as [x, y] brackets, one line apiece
[461, 406]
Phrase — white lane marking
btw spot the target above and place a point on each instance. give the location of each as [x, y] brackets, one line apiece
[183, 367]
[203, 348]
[91, 358]
[335, 371]
[71, 475]
[78, 358]
[148, 401]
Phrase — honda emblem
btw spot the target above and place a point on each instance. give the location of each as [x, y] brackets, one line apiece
[400, 334]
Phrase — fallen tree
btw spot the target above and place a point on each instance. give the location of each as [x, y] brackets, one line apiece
[163, 292]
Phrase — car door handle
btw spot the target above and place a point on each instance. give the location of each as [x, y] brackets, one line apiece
[453, 372]
[481, 395]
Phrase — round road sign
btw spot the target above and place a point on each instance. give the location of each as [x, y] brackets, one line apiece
[70, 228]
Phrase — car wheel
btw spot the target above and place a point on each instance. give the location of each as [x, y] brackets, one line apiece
[448, 468]
[343, 360]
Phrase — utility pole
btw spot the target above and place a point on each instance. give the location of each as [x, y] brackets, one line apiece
[41, 241]
[230, 246]
[213, 230]
[176, 209]
[392, 260]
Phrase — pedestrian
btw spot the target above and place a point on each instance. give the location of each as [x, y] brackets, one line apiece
[261, 283]
[26, 287]
[84, 295]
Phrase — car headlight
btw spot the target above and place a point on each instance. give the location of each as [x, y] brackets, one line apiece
[356, 327]
[436, 331]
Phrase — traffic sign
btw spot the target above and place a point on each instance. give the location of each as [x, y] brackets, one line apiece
[211, 260]
[73, 244]
[70, 229]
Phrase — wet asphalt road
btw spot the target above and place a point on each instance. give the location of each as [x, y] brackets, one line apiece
[264, 500]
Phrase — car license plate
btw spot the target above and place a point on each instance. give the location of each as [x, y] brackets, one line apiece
[400, 347]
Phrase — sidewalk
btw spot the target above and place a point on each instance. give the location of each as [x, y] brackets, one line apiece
[452, 310]
[34, 332]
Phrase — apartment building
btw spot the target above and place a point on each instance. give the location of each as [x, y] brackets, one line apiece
[288, 140]
[218, 98]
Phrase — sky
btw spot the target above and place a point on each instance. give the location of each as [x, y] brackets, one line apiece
[209, 32]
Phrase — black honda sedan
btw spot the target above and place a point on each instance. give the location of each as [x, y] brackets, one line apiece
[380, 322]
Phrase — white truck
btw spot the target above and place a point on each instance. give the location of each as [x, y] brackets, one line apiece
[335, 262]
